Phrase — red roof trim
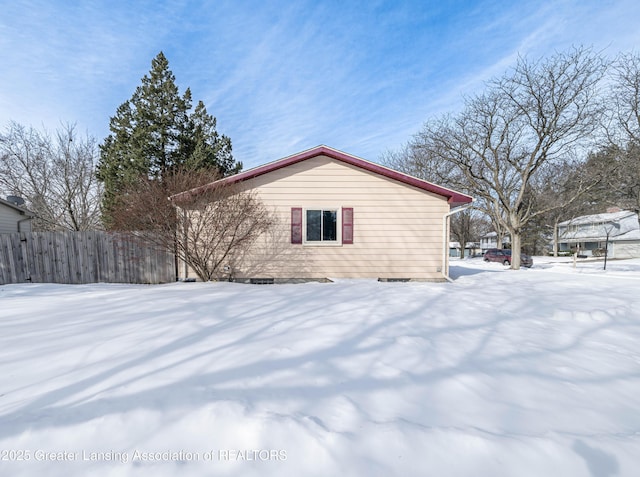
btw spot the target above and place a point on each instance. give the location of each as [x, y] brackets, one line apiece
[452, 196]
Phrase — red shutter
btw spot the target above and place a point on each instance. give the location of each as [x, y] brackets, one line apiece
[347, 225]
[296, 224]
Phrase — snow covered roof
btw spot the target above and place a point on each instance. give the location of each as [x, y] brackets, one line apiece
[622, 225]
[631, 235]
[468, 245]
[495, 234]
[598, 218]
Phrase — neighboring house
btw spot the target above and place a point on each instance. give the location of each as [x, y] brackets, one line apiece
[470, 249]
[490, 240]
[588, 234]
[344, 217]
[14, 218]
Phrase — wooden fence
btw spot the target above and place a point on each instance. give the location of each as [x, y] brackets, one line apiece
[82, 257]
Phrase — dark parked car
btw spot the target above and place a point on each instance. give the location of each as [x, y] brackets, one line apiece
[504, 257]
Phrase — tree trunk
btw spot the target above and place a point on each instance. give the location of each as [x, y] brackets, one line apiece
[515, 250]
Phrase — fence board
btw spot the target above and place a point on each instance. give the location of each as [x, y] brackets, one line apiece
[82, 257]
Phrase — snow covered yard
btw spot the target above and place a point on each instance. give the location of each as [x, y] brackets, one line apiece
[501, 373]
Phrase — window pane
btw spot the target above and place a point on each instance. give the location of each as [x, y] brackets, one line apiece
[329, 225]
[314, 222]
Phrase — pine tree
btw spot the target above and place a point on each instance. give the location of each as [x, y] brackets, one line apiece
[153, 134]
[204, 147]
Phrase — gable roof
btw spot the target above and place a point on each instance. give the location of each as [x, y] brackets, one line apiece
[17, 208]
[598, 218]
[621, 225]
[452, 196]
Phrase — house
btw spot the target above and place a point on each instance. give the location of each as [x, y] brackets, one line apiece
[341, 216]
[470, 249]
[490, 240]
[14, 218]
[588, 234]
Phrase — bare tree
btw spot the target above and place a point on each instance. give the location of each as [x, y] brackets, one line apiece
[538, 113]
[419, 159]
[626, 98]
[466, 226]
[209, 226]
[55, 176]
[558, 192]
[625, 179]
[619, 160]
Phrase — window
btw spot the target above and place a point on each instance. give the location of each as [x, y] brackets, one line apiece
[321, 225]
[316, 226]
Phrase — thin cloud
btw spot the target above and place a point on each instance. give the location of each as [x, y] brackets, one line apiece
[284, 76]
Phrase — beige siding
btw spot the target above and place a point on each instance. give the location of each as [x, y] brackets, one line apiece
[397, 227]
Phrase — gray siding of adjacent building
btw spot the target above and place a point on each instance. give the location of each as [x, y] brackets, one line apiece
[627, 249]
[10, 218]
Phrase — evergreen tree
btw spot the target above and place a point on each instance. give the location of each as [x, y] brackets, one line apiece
[153, 134]
[204, 147]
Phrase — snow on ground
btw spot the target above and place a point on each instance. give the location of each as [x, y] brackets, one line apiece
[500, 373]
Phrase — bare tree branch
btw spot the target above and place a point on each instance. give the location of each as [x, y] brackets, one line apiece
[536, 115]
[207, 228]
[55, 176]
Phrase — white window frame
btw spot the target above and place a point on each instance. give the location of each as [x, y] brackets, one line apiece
[322, 243]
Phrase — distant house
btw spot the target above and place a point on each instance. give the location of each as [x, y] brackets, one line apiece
[588, 234]
[470, 249]
[490, 240]
[340, 216]
[14, 218]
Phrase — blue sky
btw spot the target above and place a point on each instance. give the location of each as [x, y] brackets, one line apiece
[284, 76]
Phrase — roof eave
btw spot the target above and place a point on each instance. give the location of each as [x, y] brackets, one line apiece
[453, 197]
[17, 208]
